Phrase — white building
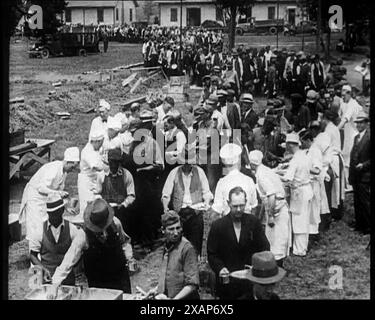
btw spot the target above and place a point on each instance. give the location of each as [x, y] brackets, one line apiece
[95, 12]
[194, 12]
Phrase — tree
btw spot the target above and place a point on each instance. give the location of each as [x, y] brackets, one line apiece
[51, 10]
[233, 8]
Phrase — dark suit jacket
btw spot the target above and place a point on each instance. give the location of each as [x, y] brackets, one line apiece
[251, 119]
[233, 116]
[361, 153]
[223, 250]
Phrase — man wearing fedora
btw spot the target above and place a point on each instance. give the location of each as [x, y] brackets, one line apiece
[47, 248]
[360, 174]
[232, 240]
[249, 116]
[297, 176]
[104, 247]
[187, 192]
[264, 274]
[179, 273]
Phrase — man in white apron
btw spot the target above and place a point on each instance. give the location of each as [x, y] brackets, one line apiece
[349, 109]
[278, 229]
[91, 164]
[100, 122]
[301, 194]
[337, 193]
[316, 160]
[48, 179]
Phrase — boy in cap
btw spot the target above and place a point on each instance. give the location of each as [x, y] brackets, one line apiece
[48, 179]
[54, 241]
[179, 274]
[104, 247]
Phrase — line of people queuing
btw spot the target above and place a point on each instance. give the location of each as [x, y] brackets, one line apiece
[268, 181]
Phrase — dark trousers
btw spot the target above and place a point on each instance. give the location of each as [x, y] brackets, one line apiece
[362, 213]
[236, 289]
[192, 226]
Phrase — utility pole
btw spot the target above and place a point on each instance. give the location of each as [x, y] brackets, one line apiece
[277, 26]
[319, 24]
[180, 66]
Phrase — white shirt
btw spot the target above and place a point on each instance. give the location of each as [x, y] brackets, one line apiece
[186, 179]
[234, 179]
[334, 137]
[98, 124]
[349, 111]
[36, 237]
[161, 113]
[269, 182]
[90, 159]
[50, 177]
[126, 141]
[298, 172]
[216, 114]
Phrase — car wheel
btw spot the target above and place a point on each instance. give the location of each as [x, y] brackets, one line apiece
[239, 32]
[45, 53]
[272, 30]
[82, 53]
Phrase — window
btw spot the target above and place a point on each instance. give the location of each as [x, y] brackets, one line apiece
[116, 14]
[271, 13]
[173, 14]
[100, 15]
[68, 15]
[130, 15]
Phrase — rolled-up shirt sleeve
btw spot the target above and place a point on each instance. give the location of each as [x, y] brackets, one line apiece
[71, 257]
[35, 241]
[168, 185]
[130, 189]
[190, 266]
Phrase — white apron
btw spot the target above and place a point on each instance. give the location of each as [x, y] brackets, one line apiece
[85, 194]
[315, 206]
[280, 235]
[335, 193]
[300, 207]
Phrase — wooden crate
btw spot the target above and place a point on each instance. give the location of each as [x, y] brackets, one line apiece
[16, 138]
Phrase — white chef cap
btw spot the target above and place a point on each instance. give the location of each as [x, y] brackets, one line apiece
[256, 157]
[104, 105]
[230, 153]
[71, 154]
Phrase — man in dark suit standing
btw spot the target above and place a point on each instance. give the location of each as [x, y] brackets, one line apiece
[232, 241]
[249, 115]
[360, 174]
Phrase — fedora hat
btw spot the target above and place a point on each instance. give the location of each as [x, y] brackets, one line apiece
[98, 215]
[293, 138]
[362, 116]
[54, 202]
[264, 269]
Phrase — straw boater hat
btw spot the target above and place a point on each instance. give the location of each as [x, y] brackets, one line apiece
[146, 116]
[54, 202]
[293, 138]
[311, 96]
[264, 269]
[98, 215]
[247, 97]
[362, 117]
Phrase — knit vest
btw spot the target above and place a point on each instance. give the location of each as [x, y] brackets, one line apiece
[114, 189]
[52, 253]
[196, 191]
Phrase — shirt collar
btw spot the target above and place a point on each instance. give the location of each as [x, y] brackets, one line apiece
[61, 225]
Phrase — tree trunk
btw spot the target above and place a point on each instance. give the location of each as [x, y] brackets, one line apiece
[232, 27]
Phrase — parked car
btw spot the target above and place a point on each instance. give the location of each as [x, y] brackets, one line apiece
[260, 26]
[213, 25]
[306, 27]
[65, 44]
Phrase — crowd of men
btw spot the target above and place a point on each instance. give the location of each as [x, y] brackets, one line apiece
[270, 182]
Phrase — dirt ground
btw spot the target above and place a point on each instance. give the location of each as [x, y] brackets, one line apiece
[307, 278]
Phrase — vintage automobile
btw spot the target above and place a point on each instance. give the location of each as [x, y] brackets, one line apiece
[304, 27]
[65, 44]
[212, 25]
[260, 26]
